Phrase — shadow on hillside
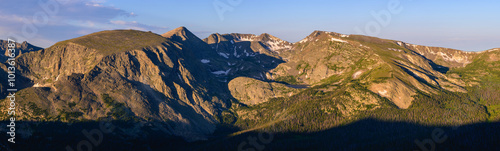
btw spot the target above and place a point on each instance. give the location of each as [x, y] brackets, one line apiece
[406, 69]
[438, 68]
[103, 135]
[240, 55]
[368, 134]
[21, 81]
[238, 59]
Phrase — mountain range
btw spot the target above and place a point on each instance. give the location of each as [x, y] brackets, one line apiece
[196, 92]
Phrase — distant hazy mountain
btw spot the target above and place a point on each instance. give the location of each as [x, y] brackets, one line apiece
[20, 48]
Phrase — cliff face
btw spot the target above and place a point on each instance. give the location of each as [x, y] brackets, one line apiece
[251, 91]
[149, 81]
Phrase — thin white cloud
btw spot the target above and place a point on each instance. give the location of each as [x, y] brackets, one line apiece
[11, 18]
[133, 25]
[121, 22]
[72, 18]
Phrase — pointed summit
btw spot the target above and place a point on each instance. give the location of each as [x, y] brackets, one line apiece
[267, 37]
[187, 38]
[174, 31]
[318, 33]
[271, 40]
[323, 35]
[181, 33]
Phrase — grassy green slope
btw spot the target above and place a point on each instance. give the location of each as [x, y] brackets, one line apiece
[114, 41]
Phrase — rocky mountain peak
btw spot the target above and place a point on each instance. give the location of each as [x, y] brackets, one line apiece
[265, 37]
[319, 33]
[324, 35]
[181, 33]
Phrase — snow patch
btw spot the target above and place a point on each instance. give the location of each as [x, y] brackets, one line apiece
[356, 75]
[304, 40]
[251, 38]
[180, 78]
[205, 61]
[235, 53]
[246, 53]
[253, 54]
[457, 58]
[364, 46]
[338, 40]
[224, 55]
[383, 92]
[399, 43]
[278, 44]
[221, 72]
[398, 50]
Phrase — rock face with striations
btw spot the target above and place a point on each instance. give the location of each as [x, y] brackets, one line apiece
[252, 91]
[123, 74]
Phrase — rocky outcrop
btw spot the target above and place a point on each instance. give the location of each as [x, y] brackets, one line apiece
[252, 92]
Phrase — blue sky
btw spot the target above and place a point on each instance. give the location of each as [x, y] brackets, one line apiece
[459, 24]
